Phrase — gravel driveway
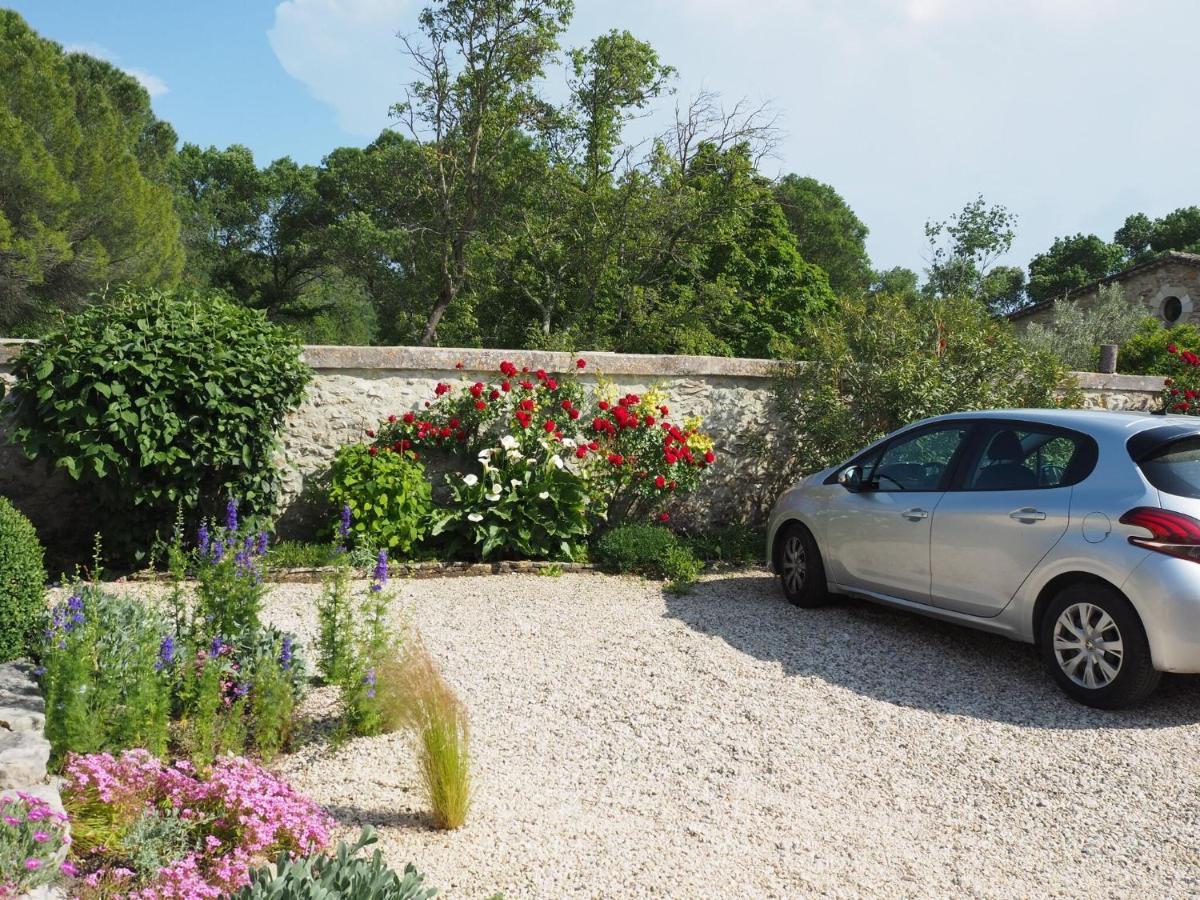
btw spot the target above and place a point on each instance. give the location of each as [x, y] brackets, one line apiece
[629, 743]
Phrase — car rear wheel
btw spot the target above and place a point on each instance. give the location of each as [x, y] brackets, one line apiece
[801, 572]
[1095, 647]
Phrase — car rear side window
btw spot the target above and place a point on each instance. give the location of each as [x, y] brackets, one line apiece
[1175, 468]
[1020, 457]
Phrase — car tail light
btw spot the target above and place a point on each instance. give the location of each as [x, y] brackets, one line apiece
[1171, 533]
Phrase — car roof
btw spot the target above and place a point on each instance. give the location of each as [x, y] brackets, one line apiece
[1096, 422]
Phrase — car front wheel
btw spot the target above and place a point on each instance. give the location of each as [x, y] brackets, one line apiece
[801, 571]
[1095, 647]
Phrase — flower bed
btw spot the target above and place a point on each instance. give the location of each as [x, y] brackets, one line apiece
[32, 839]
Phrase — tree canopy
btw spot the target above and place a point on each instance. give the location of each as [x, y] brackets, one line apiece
[85, 196]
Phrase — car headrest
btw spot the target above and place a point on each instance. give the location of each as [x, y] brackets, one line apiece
[1006, 447]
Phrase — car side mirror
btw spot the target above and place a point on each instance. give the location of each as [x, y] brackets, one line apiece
[851, 479]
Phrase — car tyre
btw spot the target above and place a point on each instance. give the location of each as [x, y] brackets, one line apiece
[1094, 646]
[801, 571]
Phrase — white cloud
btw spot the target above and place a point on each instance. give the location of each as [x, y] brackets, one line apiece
[154, 85]
[347, 54]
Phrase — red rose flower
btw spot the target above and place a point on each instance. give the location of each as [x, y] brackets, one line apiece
[477, 389]
[371, 432]
[391, 418]
[593, 446]
[524, 418]
[615, 458]
[507, 368]
[549, 426]
[494, 395]
[527, 404]
[454, 423]
[505, 386]
[580, 363]
[672, 484]
[409, 418]
[709, 456]
[664, 517]
[660, 482]
[1171, 348]
[663, 410]
[551, 384]
[541, 374]
[459, 364]
[527, 385]
[573, 413]
[603, 404]
[373, 450]
[441, 388]
[649, 421]
[566, 404]
[480, 404]
[581, 452]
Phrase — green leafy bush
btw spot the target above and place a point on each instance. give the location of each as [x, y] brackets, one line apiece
[21, 581]
[728, 544]
[1145, 351]
[884, 362]
[1076, 332]
[156, 401]
[389, 496]
[302, 555]
[325, 877]
[647, 550]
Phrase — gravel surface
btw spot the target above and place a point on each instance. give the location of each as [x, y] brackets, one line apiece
[629, 743]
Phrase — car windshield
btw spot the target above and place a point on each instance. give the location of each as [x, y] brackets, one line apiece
[1175, 468]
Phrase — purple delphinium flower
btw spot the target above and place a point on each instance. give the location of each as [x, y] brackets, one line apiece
[202, 539]
[285, 652]
[216, 647]
[231, 515]
[344, 525]
[166, 653]
[369, 681]
[218, 551]
[242, 689]
[39, 671]
[75, 608]
[381, 571]
[242, 561]
[263, 543]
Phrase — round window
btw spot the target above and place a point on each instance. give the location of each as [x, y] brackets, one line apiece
[1172, 309]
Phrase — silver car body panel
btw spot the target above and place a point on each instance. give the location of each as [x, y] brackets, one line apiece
[990, 573]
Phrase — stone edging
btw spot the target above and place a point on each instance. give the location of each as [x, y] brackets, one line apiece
[431, 569]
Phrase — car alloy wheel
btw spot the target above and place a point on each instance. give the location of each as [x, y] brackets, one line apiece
[1088, 646]
[795, 564]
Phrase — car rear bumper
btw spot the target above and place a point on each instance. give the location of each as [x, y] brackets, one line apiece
[1166, 593]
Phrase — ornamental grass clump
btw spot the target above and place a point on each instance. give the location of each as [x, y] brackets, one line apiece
[151, 831]
[418, 699]
[32, 838]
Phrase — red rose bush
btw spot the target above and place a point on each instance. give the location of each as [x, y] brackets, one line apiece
[543, 462]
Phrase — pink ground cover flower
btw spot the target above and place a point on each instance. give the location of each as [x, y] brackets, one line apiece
[243, 816]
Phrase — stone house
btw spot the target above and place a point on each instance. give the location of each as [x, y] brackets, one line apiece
[1168, 286]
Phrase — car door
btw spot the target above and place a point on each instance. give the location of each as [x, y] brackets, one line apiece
[879, 536]
[1004, 513]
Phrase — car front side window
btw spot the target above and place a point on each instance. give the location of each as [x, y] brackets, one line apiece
[915, 462]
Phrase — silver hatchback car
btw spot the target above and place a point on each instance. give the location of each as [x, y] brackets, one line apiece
[1077, 531]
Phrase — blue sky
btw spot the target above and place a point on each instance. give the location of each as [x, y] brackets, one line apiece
[1073, 113]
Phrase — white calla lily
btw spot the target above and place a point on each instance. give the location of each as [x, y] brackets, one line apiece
[475, 517]
[470, 480]
[544, 495]
[508, 442]
[557, 461]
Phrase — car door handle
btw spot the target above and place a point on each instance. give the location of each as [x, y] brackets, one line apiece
[1027, 514]
[915, 514]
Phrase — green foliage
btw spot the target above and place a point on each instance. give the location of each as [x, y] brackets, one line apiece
[650, 551]
[828, 233]
[212, 723]
[159, 400]
[272, 700]
[103, 688]
[389, 496]
[84, 198]
[335, 624]
[302, 555]
[419, 700]
[157, 838]
[1145, 351]
[1072, 262]
[964, 247]
[21, 581]
[728, 544]
[1076, 332]
[885, 362]
[342, 875]
[520, 508]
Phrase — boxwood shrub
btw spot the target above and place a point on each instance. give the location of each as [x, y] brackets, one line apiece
[22, 580]
[155, 401]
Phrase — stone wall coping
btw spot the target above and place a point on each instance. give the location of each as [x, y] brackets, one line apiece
[325, 358]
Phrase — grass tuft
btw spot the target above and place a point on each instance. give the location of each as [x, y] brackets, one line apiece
[417, 698]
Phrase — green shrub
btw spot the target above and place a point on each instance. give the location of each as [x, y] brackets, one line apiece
[1075, 332]
[648, 550]
[156, 401]
[389, 497]
[883, 362]
[1145, 351]
[325, 877]
[728, 544]
[302, 555]
[22, 580]
[518, 508]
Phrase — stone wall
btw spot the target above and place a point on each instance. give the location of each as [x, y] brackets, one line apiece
[356, 387]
